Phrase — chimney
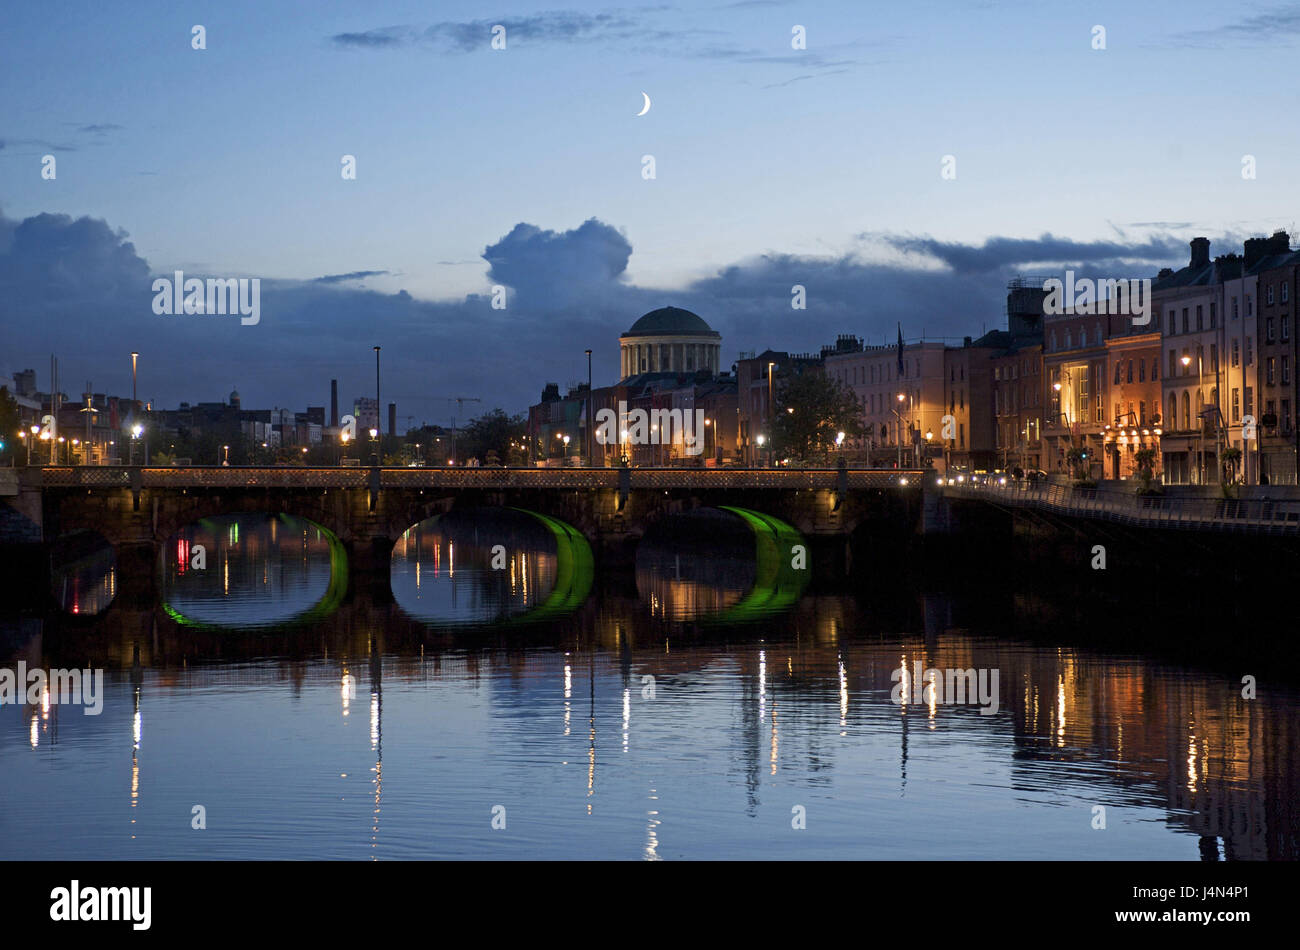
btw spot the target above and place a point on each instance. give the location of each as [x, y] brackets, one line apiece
[1200, 252]
[392, 418]
[334, 403]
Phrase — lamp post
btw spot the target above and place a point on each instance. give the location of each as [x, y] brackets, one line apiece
[771, 407]
[134, 359]
[566, 451]
[379, 412]
[760, 440]
[589, 440]
[1200, 403]
[225, 460]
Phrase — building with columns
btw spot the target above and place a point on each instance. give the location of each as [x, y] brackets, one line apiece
[670, 340]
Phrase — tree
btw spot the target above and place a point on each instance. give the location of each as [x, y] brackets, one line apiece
[491, 432]
[1231, 460]
[1146, 466]
[8, 425]
[811, 410]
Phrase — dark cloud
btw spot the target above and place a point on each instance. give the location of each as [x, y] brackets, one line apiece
[999, 253]
[355, 275]
[1271, 26]
[553, 27]
[637, 29]
[100, 129]
[78, 289]
[387, 37]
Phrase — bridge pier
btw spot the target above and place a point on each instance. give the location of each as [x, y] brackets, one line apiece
[137, 573]
[370, 569]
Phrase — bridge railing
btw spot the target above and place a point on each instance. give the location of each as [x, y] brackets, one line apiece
[296, 477]
[1279, 515]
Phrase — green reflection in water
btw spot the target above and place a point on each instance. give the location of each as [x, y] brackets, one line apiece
[333, 597]
[575, 570]
[777, 583]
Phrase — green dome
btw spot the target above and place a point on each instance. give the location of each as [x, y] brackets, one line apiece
[671, 321]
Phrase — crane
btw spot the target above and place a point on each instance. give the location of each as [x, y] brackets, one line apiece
[460, 408]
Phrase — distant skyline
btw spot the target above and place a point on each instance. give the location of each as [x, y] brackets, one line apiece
[523, 167]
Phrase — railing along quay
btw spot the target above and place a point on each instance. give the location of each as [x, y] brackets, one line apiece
[299, 477]
[1269, 515]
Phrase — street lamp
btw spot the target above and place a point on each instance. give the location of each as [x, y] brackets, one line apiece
[1200, 402]
[379, 417]
[226, 458]
[760, 440]
[589, 433]
[566, 450]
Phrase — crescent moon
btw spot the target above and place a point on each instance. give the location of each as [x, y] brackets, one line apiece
[646, 107]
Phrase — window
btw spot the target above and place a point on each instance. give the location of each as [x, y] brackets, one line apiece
[1184, 319]
[1268, 330]
[1067, 338]
[1286, 370]
[1234, 308]
[1250, 400]
[1214, 320]
[1130, 371]
[1250, 307]
[1270, 295]
[1142, 413]
[1286, 326]
[1200, 323]
[1286, 291]
[1214, 357]
[1117, 410]
[1268, 370]
[961, 435]
[1236, 352]
[1285, 421]
[1187, 410]
[1155, 369]
[1236, 405]
[1173, 316]
[1118, 370]
[1250, 356]
[1173, 363]
[1172, 421]
[1142, 371]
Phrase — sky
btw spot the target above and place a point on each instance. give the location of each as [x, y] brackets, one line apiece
[523, 167]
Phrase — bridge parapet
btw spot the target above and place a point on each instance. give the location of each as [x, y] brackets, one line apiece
[299, 477]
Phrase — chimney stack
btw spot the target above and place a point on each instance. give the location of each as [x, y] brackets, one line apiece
[1200, 252]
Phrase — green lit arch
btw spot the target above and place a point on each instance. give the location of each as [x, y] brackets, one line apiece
[329, 602]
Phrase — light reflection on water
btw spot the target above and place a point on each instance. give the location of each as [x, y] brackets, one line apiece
[246, 571]
[473, 568]
[369, 735]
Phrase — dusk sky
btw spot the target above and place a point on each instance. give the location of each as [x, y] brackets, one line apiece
[523, 167]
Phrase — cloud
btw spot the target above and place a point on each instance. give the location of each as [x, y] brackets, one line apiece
[354, 275]
[558, 265]
[1256, 30]
[468, 35]
[388, 37]
[636, 29]
[77, 288]
[998, 253]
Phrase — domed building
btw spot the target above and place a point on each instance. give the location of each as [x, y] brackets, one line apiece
[670, 340]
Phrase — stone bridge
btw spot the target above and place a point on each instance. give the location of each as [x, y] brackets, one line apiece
[367, 509]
